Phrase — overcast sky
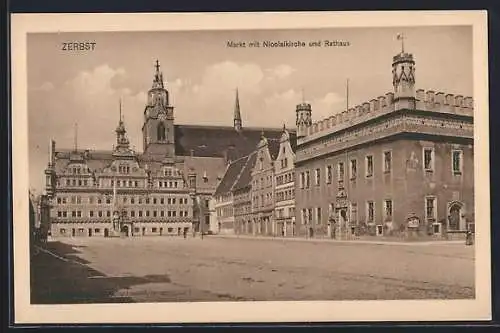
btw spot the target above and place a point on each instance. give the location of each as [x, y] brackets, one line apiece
[202, 73]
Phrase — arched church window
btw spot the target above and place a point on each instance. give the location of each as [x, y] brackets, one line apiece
[161, 132]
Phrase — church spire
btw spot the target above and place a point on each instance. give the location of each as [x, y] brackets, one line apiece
[121, 139]
[158, 77]
[237, 113]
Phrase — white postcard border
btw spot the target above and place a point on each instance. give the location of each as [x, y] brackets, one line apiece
[303, 311]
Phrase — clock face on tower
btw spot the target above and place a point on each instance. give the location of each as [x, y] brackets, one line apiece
[162, 116]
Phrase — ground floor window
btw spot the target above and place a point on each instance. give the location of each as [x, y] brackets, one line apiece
[136, 229]
[62, 231]
[430, 209]
[97, 230]
[370, 212]
[170, 229]
[388, 210]
[154, 229]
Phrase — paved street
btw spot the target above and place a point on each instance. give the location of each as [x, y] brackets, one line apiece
[157, 269]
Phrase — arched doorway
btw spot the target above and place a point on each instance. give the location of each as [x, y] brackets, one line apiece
[106, 232]
[455, 216]
[125, 230]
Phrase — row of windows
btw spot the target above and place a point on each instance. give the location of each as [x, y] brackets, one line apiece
[62, 231]
[78, 170]
[225, 212]
[241, 210]
[315, 215]
[132, 213]
[76, 182]
[284, 162]
[285, 178]
[263, 182]
[285, 195]
[263, 200]
[284, 212]
[124, 199]
[428, 165]
[120, 183]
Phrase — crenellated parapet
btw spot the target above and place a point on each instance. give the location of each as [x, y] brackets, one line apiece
[447, 103]
[424, 101]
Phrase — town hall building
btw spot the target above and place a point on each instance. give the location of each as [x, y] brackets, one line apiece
[398, 164]
[166, 189]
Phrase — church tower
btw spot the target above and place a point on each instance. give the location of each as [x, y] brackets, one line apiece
[237, 114]
[303, 118]
[122, 143]
[158, 125]
[403, 78]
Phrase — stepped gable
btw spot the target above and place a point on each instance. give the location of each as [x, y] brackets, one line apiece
[245, 178]
[230, 176]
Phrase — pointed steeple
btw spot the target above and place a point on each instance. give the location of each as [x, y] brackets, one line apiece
[121, 139]
[237, 113]
[158, 78]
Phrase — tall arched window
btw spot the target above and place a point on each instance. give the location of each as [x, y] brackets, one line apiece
[161, 132]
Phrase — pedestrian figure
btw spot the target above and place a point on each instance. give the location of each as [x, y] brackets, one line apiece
[468, 238]
[185, 233]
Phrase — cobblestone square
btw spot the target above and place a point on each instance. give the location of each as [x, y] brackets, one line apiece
[171, 269]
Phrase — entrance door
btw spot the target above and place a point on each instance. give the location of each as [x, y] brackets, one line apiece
[90, 232]
[73, 232]
[161, 231]
[343, 219]
[454, 218]
[106, 232]
[125, 230]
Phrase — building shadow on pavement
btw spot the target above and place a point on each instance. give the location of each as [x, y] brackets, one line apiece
[64, 278]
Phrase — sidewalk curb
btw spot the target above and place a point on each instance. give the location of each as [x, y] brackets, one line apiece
[331, 241]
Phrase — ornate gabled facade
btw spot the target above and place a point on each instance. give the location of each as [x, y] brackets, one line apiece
[256, 195]
[399, 164]
[263, 187]
[165, 190]
[284, 174]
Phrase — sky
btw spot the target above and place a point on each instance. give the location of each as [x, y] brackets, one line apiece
[202, 75]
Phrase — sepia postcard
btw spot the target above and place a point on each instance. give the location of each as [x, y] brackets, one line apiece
[250, 167]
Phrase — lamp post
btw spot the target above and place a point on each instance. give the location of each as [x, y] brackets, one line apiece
[195, 200]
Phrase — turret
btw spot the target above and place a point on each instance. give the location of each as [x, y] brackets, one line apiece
[303, 119]
[403, 78]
